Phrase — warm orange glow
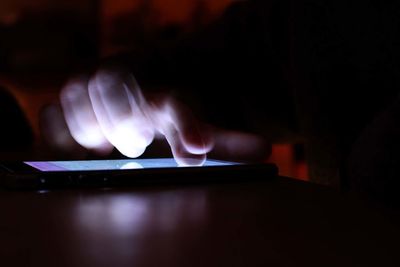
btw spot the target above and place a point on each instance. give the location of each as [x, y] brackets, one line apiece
[283, 156]
[157, 14]
[169, 11]
[179, 11]
[112, 8]
[174, 11]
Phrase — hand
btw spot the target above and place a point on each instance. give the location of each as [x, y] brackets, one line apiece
[110, 110]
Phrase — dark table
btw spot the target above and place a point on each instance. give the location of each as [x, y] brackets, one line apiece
[277, 222]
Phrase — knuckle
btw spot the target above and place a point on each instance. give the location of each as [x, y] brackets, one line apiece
[74, 88]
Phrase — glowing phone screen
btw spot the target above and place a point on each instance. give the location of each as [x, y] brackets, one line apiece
[119, 164]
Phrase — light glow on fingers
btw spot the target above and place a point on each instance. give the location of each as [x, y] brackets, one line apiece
[131, 139]
[192, 161]
[90, 137]
[202, 147]
[195, 137]
[131, 165]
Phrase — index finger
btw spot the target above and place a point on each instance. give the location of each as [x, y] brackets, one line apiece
[189, 139]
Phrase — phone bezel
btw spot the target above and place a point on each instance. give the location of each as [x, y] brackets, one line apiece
[18, 175]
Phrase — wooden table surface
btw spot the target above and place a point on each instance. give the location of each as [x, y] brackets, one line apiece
[277, 222]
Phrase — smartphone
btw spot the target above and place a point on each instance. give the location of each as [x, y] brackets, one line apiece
[116, 172]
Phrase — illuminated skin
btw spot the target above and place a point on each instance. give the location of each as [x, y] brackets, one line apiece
[110, 110]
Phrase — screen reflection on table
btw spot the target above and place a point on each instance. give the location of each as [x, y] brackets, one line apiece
[109, 224]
